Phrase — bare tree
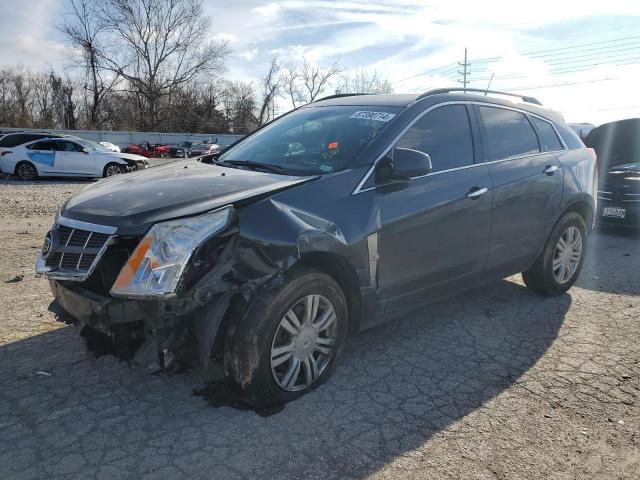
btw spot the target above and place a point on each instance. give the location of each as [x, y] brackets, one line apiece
[158, 46]
[22, 99]
[304, 83]
[86, 31]
[363, 81]
[239, 104]
[271, 85]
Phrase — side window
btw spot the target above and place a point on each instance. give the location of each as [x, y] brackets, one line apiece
[20, 139]
[66, 146]
[549, 137]
[444, 134]
[508, 133]
[42, 145]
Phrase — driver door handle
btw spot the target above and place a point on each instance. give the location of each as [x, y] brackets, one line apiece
[477, 192]
[550, 169]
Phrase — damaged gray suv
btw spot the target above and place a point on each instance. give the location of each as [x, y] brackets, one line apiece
[342, 213]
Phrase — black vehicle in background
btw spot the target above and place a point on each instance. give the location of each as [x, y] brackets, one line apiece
[181, 150]
[14, 139]
[199, 149]
[617, 145]
[337, 215]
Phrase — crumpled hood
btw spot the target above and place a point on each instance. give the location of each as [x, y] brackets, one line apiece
[128, 156]
[134, 201]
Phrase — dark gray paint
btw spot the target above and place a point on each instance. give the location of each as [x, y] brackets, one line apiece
[431, 239]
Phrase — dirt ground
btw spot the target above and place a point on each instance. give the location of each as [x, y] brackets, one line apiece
[498, 383]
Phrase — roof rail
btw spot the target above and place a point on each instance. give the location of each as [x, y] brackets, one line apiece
[339, 95]
[436, 91]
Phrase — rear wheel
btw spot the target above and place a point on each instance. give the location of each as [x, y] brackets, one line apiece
[558, 266]
[289, 341]
[26, 171]
[112, 169]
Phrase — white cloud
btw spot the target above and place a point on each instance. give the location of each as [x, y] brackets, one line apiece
[268, 10]
[225, 37]
[249, 54]
[405, 41]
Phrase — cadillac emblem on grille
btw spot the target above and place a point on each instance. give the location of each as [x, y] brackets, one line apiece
[49, 244]
[71, 249]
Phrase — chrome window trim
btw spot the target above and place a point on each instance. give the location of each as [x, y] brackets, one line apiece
[365, 178]
[93, 227]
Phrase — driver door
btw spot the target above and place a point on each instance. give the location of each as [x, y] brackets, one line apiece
[434, 233]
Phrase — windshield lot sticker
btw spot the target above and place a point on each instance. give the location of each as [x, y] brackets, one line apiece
[377, 116]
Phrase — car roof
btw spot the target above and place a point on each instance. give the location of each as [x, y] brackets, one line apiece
[441, 95]
[387, 100]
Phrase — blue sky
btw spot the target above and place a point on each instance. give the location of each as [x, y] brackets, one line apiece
[581, 58]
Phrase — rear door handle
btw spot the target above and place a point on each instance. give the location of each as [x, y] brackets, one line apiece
[550, 169]
[477, 192]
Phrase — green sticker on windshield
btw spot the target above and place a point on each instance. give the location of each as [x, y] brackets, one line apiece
[326, 168]
[377, 116]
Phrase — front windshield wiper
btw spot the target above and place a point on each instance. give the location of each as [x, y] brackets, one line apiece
[269, 167]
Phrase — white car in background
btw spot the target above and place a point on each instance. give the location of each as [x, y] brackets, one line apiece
[65, 157]
[112, 147]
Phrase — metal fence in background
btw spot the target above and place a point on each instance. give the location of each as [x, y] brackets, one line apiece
[125, 138]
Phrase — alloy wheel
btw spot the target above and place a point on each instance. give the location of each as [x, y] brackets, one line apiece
[304, 343]
[567, 255]
[113, 170]
[26, 172]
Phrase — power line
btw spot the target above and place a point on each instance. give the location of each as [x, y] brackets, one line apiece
[565, 84]
[453, 66]
[567, 70]
[566, 56]
[537, 53]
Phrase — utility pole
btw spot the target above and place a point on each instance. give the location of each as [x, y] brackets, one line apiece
[465, 73]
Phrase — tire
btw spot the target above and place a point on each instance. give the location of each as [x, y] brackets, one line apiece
[112, 169]
[542, 277]
[26, 171]
[267, 327]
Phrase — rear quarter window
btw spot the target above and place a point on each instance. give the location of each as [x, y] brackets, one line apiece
[548, 137]
[507, 133]
[571, 138]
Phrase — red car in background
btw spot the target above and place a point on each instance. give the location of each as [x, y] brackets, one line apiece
[147, 150]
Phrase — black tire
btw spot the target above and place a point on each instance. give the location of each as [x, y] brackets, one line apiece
[26, 171]
[110, 170]
[540, 277]
[249, 340]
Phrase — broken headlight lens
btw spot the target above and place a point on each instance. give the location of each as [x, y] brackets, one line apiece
[156, 265]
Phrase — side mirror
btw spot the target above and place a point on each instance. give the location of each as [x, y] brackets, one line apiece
[403, 164]
[84, 150]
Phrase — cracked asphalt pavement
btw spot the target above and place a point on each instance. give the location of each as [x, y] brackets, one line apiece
[496, 383]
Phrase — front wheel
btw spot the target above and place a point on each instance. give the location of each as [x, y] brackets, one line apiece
[112, 169]
[558, 266]
[289, 341]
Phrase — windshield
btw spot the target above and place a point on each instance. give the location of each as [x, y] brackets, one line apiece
[313, 140]
[93, 146]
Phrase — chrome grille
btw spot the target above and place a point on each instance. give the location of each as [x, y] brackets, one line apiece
[77, 248]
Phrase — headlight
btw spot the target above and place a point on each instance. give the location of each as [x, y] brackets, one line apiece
[156, 265]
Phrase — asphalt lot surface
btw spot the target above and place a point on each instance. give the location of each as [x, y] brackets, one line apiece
[498, 383]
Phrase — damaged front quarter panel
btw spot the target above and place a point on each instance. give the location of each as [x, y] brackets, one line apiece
[225, 275]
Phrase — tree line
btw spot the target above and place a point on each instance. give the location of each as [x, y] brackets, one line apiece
[154, 65]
